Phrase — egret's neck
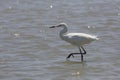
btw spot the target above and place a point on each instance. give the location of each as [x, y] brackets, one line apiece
[63, 32]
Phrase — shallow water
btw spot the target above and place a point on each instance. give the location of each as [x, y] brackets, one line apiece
[29, 50]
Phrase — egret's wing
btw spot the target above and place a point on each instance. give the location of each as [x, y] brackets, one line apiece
[79, 38]
[82, 36]
[75, 39]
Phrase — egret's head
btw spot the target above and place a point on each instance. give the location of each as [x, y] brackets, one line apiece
[59, 25]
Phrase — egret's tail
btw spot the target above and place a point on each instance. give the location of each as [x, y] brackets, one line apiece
[95, 38]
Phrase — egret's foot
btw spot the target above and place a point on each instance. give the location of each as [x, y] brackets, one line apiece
[70, 55]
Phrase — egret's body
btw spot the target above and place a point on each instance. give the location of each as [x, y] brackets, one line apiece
[77, 39]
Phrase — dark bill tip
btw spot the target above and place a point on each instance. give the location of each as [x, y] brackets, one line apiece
[52, 27]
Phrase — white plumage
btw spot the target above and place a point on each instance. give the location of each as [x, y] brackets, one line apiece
[77, 39]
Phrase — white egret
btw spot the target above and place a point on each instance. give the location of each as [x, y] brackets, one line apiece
[77, 39]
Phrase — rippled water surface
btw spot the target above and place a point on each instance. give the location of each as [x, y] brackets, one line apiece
[29, 50]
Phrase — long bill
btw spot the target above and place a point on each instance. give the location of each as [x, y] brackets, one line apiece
[52, 27]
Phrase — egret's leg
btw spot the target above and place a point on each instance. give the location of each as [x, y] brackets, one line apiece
[84, 52]
[81, 54]
[80, 49]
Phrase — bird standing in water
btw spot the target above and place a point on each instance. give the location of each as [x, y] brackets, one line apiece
[77, 39]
